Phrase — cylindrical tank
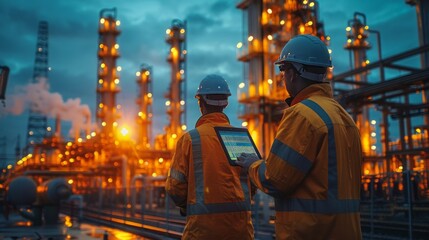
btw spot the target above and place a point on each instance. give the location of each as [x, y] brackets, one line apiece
[54, 190]
[21, 191]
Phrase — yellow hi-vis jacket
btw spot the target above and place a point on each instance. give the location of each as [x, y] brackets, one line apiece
[215, 194]
[313, 170]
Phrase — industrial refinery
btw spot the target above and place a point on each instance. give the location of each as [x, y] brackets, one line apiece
[101, 175]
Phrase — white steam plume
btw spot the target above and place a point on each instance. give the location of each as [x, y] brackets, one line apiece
[37, 97]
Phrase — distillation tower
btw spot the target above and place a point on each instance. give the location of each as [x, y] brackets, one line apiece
[144, 101]
[108, 73]
[357, 44]
[268, 25]
[175, 103]
[37, 121]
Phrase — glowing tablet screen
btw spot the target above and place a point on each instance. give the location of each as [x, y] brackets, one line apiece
[236, 141]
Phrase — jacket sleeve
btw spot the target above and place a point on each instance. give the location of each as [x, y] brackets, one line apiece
[177, 180]
[291, 156]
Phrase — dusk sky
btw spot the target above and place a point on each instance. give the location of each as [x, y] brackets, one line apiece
[213, 29]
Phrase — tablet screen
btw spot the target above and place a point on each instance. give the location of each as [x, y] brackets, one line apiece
[236, 141]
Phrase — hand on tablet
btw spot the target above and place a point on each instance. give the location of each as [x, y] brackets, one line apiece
[246, 159]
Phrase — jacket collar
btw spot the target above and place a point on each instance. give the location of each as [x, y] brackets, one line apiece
[320, 89]
[216, 117]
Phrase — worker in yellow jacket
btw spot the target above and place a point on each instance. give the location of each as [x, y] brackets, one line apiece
[313, 170]
[214, 195]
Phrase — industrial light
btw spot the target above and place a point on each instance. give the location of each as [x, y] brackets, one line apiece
[102, 20]
[250, 38]
[270, 37]
[239, 44]
[241, 85]
[182, 102]
[348, 29]
[269, 11]
[167, 103]
[160, 160]
[282, 22]
[118, 23]
[149, 95]
[244, 124]
[184, 127]
[182, 31]
[311, 4]
[373, 122]
[48, 129]
[124, 131]
[79, 140]
[118, 68]
[138, 74]
[116, 46]
[270, 81]
[168, 31]
[147, 73]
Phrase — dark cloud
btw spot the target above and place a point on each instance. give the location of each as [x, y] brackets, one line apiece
[221, 7]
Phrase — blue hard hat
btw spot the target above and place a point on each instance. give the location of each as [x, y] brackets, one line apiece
[306, 50]
[213, 84]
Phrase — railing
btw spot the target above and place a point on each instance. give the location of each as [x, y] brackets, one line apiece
[394, 205]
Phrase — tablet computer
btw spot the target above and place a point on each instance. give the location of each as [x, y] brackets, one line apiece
[236, 141]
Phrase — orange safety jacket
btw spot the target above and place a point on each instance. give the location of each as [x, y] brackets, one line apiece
[215, 194]
[313, 170]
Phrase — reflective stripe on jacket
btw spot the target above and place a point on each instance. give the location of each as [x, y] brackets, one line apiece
[215, 194]
[314, 169]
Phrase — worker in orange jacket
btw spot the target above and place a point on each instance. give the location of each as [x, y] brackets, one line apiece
[313, 170]
[214, 195]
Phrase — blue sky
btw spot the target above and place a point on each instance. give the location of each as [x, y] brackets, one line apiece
[213, 29]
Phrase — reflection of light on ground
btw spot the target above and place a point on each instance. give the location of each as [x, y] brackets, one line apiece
[23, 223]
[97, 232]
